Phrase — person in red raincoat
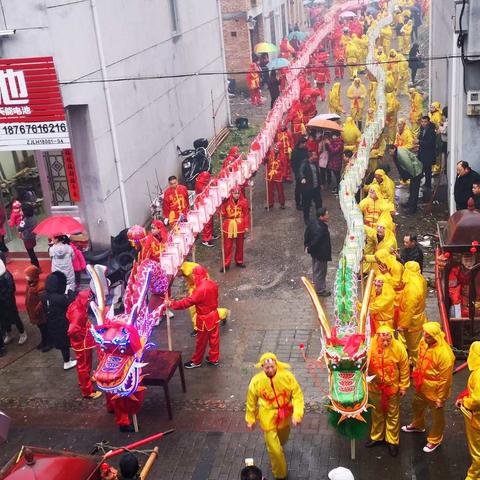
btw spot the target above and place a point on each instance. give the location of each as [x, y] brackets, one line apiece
[154, 243]
[286, 50]
[205, 300]
[339, 57]
[82, 342]
[236, 222]
[253, 82]
[231, 157]
[175, 200]
[275, 174]
[295, 117]
[309, 103]
[284, 140]
[202, 181]
[322, 76]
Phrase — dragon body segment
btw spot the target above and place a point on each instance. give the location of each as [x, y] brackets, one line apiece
[345, 345]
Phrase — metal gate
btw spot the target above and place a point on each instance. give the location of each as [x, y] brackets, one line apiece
[57, 178]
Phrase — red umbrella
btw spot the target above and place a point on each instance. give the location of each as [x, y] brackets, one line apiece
[58, 225]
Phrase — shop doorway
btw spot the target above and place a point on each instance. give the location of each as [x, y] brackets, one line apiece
[38, 178]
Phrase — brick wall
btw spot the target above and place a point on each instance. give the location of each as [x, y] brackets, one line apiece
[232, 6]
[237, 48]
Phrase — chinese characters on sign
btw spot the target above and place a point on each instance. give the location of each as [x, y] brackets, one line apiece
[32, 116]
[71, 174]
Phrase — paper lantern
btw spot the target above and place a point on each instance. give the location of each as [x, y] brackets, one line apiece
[187, 229]
[166, 262]
[223, 188]
[209, 207]
[179, 240]
[214, 194]
[174, 251]
[194, 221]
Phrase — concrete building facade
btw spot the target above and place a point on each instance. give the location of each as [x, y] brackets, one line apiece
[122, 66]
[456, 77]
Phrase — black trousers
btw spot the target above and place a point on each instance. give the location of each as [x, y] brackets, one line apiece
[325, 176]
[15, 320]
[65, 354]
[414, 189]
[33, 257]
[44, 334]
[298, 192]
[3, 247]
[413, 71]
[427, 172]
[337, 175]
[308, 196]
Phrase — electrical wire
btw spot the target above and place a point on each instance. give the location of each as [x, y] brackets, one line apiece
[244, 72]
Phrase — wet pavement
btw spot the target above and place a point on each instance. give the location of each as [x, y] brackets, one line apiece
[270, 311]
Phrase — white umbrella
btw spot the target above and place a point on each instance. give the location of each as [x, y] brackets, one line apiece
[319, 2]
[327, 116]
[348, 14]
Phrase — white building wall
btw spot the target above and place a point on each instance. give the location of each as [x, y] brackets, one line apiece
[150, 116]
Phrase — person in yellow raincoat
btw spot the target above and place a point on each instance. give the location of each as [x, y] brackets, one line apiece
[387, 265]
[351, 135]
[370, 117]
[372, 95]
[369, 248]
[352, 56]
[416, 109]
[469, 404]
[386, 34]
[404, 137]
[187, 272]
[275, 399]
[373, 206]
[404, 74]
[433, 383]
[389, 82]
[362, 45]
[411, 308]
[389, 364]
[381, 238]
[335, 99]
[357, 93]
[393, 105]
[394, 66]
[377, 152]
[381, 56]
[381, 308]
[385, 184]
[406, 35]
[436, 114]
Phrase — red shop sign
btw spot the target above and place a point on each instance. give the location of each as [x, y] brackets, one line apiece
[32, 116]
[71, 173]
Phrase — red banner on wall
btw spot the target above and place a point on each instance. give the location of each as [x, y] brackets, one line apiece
[32, 116]
[71, 173]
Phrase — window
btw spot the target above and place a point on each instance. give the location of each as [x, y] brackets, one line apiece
[174, 16]
[233, 34]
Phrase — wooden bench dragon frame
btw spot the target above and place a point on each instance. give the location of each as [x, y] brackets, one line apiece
[345, 344]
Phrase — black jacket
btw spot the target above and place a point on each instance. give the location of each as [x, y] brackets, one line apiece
[317, 240]
[463, 188]
[427, 144]
[55, 304]
[414, 254]
[8, 305]
[299, 155]
[306, 173]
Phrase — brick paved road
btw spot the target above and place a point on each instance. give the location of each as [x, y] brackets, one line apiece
[270, 311]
